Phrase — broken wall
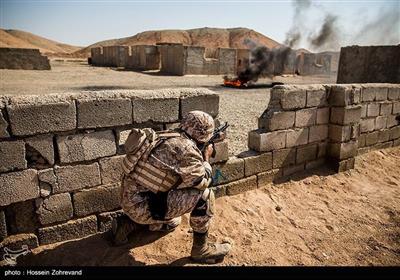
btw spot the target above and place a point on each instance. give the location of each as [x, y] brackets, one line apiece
[143, 57]
[25, 59]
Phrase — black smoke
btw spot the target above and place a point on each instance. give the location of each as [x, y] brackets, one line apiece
[327, 35]
[294, 35]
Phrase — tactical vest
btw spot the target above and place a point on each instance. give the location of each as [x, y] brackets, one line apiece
[135, 164]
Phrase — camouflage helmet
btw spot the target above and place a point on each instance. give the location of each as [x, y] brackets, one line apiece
[198, 125]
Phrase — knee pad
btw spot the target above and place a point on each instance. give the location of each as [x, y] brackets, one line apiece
[205, 205]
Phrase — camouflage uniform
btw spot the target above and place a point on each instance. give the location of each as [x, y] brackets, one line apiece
[180, 157]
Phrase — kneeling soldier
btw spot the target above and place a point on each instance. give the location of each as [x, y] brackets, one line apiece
[167, 178]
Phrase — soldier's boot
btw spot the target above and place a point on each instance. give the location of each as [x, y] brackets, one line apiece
[121, 227]
[204, 252]
[169, 226]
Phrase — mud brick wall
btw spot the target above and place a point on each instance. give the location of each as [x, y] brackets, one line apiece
[60, 157]
[27, 59]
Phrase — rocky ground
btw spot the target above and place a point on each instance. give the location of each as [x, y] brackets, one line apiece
[317, 218]
[240, 107]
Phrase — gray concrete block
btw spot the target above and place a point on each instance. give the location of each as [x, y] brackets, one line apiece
[380, 122]
[30, 116]
[47, 182]
[43, 145]
[71, 178]
[95, 200]
[344, 95]
[386, 108]
[241, 186]
[3, 125]
[297, 137]
[394, 93]
[383, 136]
[21, 217]
[88, 146]
[368, 94]
[12, 155]
[55, 208]
[104, 112]
[384, 145]
[111, 169]
[339, 133]
[293, 98]
[396, 108]
[283, 157]
[381, 93]
[367, 125]
[345, 115]
[3, 226]
[343, 150]
[70, 230]
[306, 153]
[362, 140]
[373, 110]
[25, 185]
[396, 142]
[343, 165]
[277, 121]
[306, 117]
[229, 171]
[219, 191]
[208, 103]
[290, 170]
[371, 138]
[391, 121]
[105, 219]
[317, 97]
[323, 115]
[322, 147]
[364, 108]
[315, 163]
[262, 141]
[394, 133]
[318, 133]
[221, 152]
[155, 109]
[266, 178]
[257, 163]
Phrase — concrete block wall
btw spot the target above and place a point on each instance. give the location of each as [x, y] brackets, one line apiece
[26, 59]
[143, 57]
[60, 157]
[304, 126]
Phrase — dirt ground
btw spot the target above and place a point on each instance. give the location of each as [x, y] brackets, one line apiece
[351, 218]
[240, 108]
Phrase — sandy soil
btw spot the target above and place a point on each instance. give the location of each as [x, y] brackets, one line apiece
[351, 218]
[240, 108]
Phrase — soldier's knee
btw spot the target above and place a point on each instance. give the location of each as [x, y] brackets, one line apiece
[205, 205]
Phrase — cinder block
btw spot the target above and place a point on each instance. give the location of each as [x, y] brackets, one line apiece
[283, 157]
[104, 112]
[384, 145]
[221, 152]
[315, 163]
[316, 97]
[290, 170]
[396, 142]
[262, 141]
[306, 153]
[229, 171]
[362, 140]
[345, 115]
[367, 125]
[394, 93]
[363, 150]
[25, 185]
[323, 115]
[111, 169]
[47, 182]
[105, 219]
[243, 185]
[383, 135]
[318, 133]
[95, 200]
[219, 191]
[373, 110]
[21, 217]
[364, 110]
[71, 178]
[396, 108]
[43, 145]
[339, 133]
[12, 155]
[155, 109]
[306, 117]
[386, 108]
[344, 165]
[380, 122]
[344, 95]
[208, 103]
[293, 98]
[258, 163]
[391, 121]
[277, 120]
[42, 114]
[3, 226]
[322, 147]
[394, 133]
[368, 94]
[297, 137]
[381, 93]
[268, 177]
[55, 208]
[343, 150]
[70, 230]
[15, 243]
[3, 125]
[88, 146]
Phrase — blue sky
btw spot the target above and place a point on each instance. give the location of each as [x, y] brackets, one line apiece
[86, 22]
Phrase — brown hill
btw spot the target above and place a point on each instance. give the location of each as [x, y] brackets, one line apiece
[207, 37]
[21, 39]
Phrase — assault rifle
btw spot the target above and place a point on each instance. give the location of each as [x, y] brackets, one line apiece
[216, 137]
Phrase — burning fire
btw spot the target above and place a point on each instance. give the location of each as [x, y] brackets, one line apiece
[235, 82]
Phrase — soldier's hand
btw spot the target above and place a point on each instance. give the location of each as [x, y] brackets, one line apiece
[208, 152]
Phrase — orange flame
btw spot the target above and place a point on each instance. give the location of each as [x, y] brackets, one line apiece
[234, 83]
